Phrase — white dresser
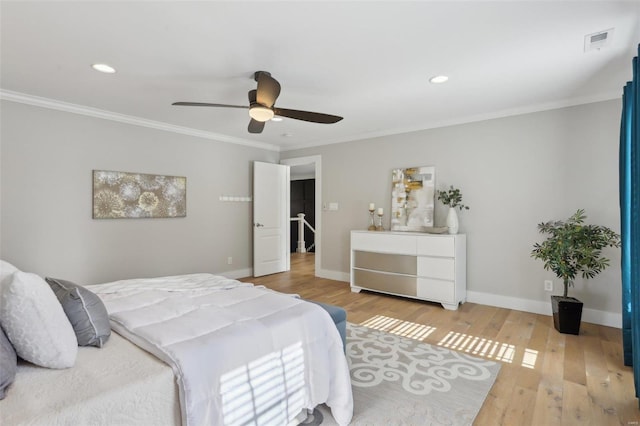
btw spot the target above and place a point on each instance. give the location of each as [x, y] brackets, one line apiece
[422, 266]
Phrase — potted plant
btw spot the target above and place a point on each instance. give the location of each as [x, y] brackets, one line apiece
[452, 198]
[572, 248]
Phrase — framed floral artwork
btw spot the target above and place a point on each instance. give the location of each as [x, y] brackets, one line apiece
[121, 195]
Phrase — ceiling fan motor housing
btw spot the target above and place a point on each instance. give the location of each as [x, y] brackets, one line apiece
[256, 75]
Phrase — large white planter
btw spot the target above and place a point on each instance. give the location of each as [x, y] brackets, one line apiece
[452, 220]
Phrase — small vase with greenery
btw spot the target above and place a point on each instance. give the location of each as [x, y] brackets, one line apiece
[573, 248]
[452, 198]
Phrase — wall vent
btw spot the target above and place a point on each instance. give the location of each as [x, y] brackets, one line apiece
[598, 41]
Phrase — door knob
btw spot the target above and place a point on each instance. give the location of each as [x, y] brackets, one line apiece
[258, 225]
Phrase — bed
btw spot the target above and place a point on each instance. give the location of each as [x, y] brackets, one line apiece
[119, 384]
[193, 350]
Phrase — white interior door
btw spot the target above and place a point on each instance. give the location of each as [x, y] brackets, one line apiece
[270, 219]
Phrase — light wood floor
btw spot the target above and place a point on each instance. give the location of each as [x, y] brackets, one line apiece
[547, 378]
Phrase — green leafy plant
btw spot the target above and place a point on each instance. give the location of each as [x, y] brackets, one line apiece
[573, 248]
[452, 198]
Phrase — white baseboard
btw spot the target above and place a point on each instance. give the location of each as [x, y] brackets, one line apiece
[238, 273]
[533, 306]
[322, 273]
[609, 319]
[333, 275]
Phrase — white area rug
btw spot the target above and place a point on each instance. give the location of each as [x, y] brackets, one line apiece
[401, 381]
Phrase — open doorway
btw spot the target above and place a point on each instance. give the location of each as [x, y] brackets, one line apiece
[302, 208]
[305, 177]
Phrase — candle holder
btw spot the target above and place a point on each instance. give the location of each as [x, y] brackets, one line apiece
[379, 226]
[372, 225]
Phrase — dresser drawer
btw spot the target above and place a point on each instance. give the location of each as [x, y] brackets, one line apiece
[436, 267]
[436, 290]
[398, 263]
[384, 243]
[436, 246]
[398, 284]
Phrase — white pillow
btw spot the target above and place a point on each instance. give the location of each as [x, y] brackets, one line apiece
[6, 269]
[35, 322]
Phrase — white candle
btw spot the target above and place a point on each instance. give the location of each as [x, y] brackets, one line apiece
[372, 206]
[380, 211]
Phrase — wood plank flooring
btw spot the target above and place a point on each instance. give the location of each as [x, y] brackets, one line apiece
[547, 378]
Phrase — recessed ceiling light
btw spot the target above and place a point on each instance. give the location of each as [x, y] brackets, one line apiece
[286, 135]
[104, 68]
[438, 79]
[276, 119]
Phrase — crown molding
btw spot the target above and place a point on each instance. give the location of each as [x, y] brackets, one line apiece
[137, 121]
[465, 120]
[38, 101]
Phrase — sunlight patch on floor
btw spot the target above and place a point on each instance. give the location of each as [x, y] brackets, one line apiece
[529, 358]
[399, 327]
[487, 348]
[474, 345]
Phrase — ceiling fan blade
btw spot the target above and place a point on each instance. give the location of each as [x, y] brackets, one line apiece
[209, 105]
[268, 89]
[256, 126]
[313, 117]
[252, 96]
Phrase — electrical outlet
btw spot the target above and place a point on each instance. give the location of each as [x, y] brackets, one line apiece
[229, 260]
[548, 285]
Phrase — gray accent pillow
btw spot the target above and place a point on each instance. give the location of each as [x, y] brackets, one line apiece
[85, 311]
[8, 363]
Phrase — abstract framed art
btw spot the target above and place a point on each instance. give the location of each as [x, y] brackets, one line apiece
[413, 198]
[123, 195]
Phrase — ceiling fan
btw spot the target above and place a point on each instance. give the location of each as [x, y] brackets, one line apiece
[261, 105]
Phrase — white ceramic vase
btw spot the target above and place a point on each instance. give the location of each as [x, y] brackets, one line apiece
[452, 220]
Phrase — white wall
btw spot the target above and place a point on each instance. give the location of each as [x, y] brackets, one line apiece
[514, 173]
[46, 190]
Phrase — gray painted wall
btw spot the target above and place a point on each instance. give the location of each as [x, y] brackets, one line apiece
[513, 172]
[46, 227]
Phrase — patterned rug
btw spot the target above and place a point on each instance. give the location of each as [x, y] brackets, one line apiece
[401, 381]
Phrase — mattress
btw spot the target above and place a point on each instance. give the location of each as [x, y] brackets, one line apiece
[118, 384]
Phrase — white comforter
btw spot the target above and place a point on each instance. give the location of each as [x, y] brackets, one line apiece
[241, 354]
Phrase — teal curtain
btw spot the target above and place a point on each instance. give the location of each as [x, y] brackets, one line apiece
[630, 221]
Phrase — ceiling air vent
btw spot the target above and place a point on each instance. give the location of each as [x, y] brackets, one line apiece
[599, 40]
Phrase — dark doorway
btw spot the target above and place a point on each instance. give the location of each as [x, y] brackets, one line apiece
[303, 200]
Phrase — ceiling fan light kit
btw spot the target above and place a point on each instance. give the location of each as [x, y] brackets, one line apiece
[261, 109]
[260, 113]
